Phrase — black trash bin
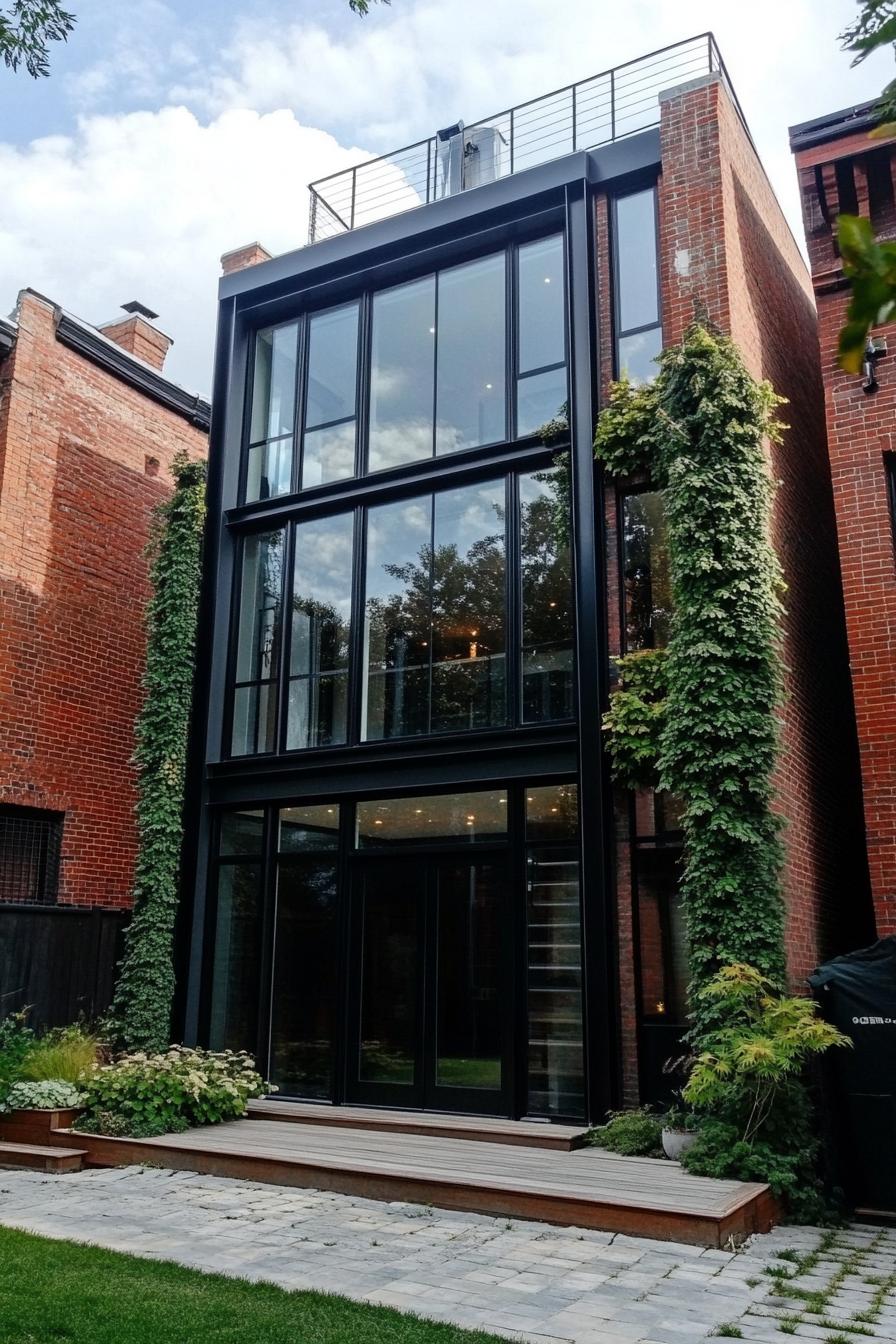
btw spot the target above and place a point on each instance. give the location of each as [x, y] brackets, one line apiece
[857, 993]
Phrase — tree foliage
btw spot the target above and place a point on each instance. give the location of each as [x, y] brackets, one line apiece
[144, 992]
[699, 431]
[27, 27]
[871, 266]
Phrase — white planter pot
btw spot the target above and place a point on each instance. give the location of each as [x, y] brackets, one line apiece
[678, 1141]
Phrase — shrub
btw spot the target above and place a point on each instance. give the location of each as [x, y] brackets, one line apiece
[16, 1039]
[65, 1053]
[746, 1083]
[631, 1133]
[51, 1094]
[144, 1095]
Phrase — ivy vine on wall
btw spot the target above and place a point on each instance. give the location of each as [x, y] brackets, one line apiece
[141, 1011]
[698, 430]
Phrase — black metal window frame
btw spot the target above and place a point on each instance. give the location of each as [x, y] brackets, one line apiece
[364, 295]
[348, 857]
[890, 470]
[499, 469]
[669, 841]
[30, 855]
[620, 332]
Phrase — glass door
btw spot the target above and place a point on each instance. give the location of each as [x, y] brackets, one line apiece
[431, 1007]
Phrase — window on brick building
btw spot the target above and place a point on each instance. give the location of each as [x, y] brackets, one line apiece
[636, 307]
[661, 939]
[890, 468]
[646, 581]
[30, 849]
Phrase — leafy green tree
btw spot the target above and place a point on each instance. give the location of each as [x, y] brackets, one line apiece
[27, 27]
[141, 1011]
[871, 266]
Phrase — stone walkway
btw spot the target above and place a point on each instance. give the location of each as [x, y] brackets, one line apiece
[525, 1280]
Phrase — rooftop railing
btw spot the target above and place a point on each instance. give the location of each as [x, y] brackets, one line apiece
[596, 111]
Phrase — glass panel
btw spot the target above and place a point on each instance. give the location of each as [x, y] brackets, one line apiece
[258, 646]
[241, 833]
[314, 826]
[647, 583]
[547, 596]
[637, 355]
[637, 299]
[540, 301]
[656, 813]
[332, 366]
[274, 383]
[468, 605]
[556, 1064]
[235, 985]
[552, 812]
[402, 374]
[328, 454]
[321, 616]
[389, 970]
[269, 471]
[469, 1011]
[436, 817]
[397, 622]
[304, 978]
[540, 398]
[471, 355]
[435, 621]
[661, 935]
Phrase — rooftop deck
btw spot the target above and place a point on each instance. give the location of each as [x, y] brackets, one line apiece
[597, 111]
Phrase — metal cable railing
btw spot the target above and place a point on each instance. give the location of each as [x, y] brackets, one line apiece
[596, 111]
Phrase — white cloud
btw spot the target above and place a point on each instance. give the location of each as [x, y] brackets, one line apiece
[142, 206]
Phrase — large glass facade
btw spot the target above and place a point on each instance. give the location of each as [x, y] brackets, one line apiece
[466, 357]
[445, 578]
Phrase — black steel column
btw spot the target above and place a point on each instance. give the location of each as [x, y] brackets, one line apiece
[598, 931]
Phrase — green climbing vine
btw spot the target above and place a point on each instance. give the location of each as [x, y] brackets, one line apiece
[141, 1011]
[698, 430]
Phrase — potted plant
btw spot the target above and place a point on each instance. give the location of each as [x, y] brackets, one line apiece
[679, 1131]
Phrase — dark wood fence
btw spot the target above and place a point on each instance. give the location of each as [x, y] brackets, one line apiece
[58, 961]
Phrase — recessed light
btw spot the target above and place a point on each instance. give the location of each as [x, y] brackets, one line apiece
[547, 279]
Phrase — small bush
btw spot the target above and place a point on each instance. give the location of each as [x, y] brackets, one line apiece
[52, 1094]
[630, 1133]
[16, 1039]
[144, 1095]
[65, 1053]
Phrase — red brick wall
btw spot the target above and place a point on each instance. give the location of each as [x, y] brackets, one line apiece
[76, 491]
[861, 435]
[727, 254]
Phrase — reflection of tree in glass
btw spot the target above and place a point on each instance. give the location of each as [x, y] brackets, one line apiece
[648, 596]
[544, 535]
[447, 613]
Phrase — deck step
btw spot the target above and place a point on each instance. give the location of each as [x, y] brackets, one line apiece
[39, 1158]
[479, 1128]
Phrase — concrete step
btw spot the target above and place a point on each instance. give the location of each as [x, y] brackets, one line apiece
[39, 1158]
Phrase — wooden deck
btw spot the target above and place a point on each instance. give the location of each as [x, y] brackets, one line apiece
[482, 1128]
[585, 1188]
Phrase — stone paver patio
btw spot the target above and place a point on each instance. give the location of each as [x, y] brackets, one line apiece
[515, 1278]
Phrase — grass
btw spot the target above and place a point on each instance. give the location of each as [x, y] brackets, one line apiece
[64, 1054]
[58, 1292]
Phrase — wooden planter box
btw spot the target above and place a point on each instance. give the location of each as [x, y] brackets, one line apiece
[29, 1126]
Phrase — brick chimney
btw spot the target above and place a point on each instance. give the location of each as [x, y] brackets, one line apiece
[250, 254]
[136, 334]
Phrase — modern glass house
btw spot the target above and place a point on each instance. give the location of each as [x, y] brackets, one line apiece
[407, 874]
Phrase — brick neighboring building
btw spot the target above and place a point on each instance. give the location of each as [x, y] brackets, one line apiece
[364, 733]
[844, 169]
[88, 427]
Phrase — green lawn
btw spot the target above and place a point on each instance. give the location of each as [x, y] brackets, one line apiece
[57, 1292]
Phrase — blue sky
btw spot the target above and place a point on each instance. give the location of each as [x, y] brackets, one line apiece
[170, 132]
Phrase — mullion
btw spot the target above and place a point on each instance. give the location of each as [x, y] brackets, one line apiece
[284, 662]
[301, 397]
